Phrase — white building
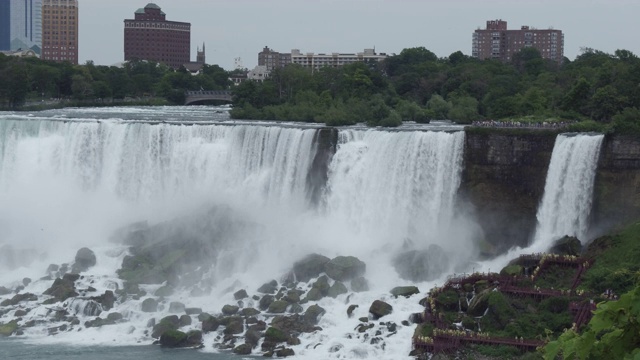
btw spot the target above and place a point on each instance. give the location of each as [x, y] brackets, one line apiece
[317, 61]
[259, 73]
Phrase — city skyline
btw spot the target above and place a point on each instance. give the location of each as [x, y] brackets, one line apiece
[233, 29]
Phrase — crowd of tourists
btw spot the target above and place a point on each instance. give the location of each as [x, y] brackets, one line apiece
[521, 124]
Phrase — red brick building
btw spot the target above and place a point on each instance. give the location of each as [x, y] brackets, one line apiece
[60, 30]
[151, 37]
[496, 42]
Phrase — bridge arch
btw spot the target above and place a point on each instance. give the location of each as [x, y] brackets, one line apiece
[192, 97]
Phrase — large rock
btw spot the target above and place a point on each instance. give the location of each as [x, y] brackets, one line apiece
[244, 349]
[424, 265]
[379, 309]
[85, 258]
[209, 323]
[178, 339]
[479, 303]
[344, 268]
[230, 309]
[278, 307]
[338, 288]
[269, 288]
[19, 298]
[567, 245]
[167, 323]
[309, 267]
[150, 305]
[63, 288]
[313, 314]
[405, 291]
[9, 328]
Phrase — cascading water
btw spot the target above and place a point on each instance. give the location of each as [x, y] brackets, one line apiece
[568, 192]
[66, 184]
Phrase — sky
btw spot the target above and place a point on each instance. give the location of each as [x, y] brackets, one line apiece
[234, 29]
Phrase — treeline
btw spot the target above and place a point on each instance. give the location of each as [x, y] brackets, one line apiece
[417, 85]
[34, 79]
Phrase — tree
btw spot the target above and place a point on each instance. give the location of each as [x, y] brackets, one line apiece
[612, 333]
[439, 107]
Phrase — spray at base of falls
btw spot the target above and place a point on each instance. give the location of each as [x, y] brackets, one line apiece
[69, 184]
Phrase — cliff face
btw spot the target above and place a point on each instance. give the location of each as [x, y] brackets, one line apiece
[503, 179]
[617, 187]
[505, 174]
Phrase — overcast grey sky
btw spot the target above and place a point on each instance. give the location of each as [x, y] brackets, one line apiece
[241, 28]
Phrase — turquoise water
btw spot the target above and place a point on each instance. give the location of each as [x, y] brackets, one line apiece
[16, 349]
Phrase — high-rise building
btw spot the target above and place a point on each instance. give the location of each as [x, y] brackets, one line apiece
[496, 42]
[273, 59]
[60, 30]
[149, 36]
[21, 25]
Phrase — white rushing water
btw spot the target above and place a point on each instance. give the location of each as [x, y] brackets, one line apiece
[68, 184]
[568, 192]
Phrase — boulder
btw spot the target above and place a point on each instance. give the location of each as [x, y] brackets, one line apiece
[265, 301]
[230, 310]
[19, 298]
[338, 288]
[244, 349]
[344, 268]
[167, 323]
[185, 320]
[479, 303]
[351, 309]
[275, 335]
[85, 258]
[567, 245]
[164, 291]
[107, 300]
[193, 311]
[240, 294]
[292, 296]
[209, 323]
[252, 337]
[9, 328]
[176, 307]
[309, 267]
[149, 305]
[269, 288]
[234, 327]
[405, 291]
[322, 285]
[4, 291]
[281, 353]
[247, 312]
[296, 309]
[278, 307]
[359, 284]
[173, 338]
[116, 316]
[379, 309]
[314, 295]
[63, 288]
[422, 265]
[313, 314]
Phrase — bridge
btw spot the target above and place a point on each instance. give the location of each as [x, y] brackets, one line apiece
[192, 97]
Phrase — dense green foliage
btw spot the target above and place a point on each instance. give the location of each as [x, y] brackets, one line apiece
[612, 333]
[598, 88]
[33, 79]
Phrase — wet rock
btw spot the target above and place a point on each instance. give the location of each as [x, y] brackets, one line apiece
[116, 316]
[313, 314]
[244, 349]
[234, 327]
[164, 291]
[9, 328]
[240, 294]
[309, 267]
[168, 323]
[209, 323]
[230, 310]
[269, 288]
[359, 284]
[4, 291]
[252, 337]
[296, 309]
[421, 265]
[106, 300]
[150, 305]
[99, 322]
[292, 296]
[193, 311]
[85, 259]
[567, 245]
[178, 339]
[26, 281]
[351, 309]
[479, 303]
[343, 268]
[265, 301]
[285, 352]
[337, 289]
[20, 313]
[379, 309]
[249, 312]
[275, 335]
[63, 288]
[185, 320]
[405, 291]
[19, 298]
[278, 307]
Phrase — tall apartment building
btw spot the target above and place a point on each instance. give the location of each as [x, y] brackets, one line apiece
[21, 25]
[60, 30]
[496, 42]
[149, 36]
[273, 60]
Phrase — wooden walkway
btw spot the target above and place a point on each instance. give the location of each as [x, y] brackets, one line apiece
[449, 341]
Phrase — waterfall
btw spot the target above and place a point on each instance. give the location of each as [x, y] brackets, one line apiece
[396, 185]
[568, 192]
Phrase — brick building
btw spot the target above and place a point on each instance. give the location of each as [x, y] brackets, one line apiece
[149, 36]
[60, 30]
[496, 42]
[273, 59]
